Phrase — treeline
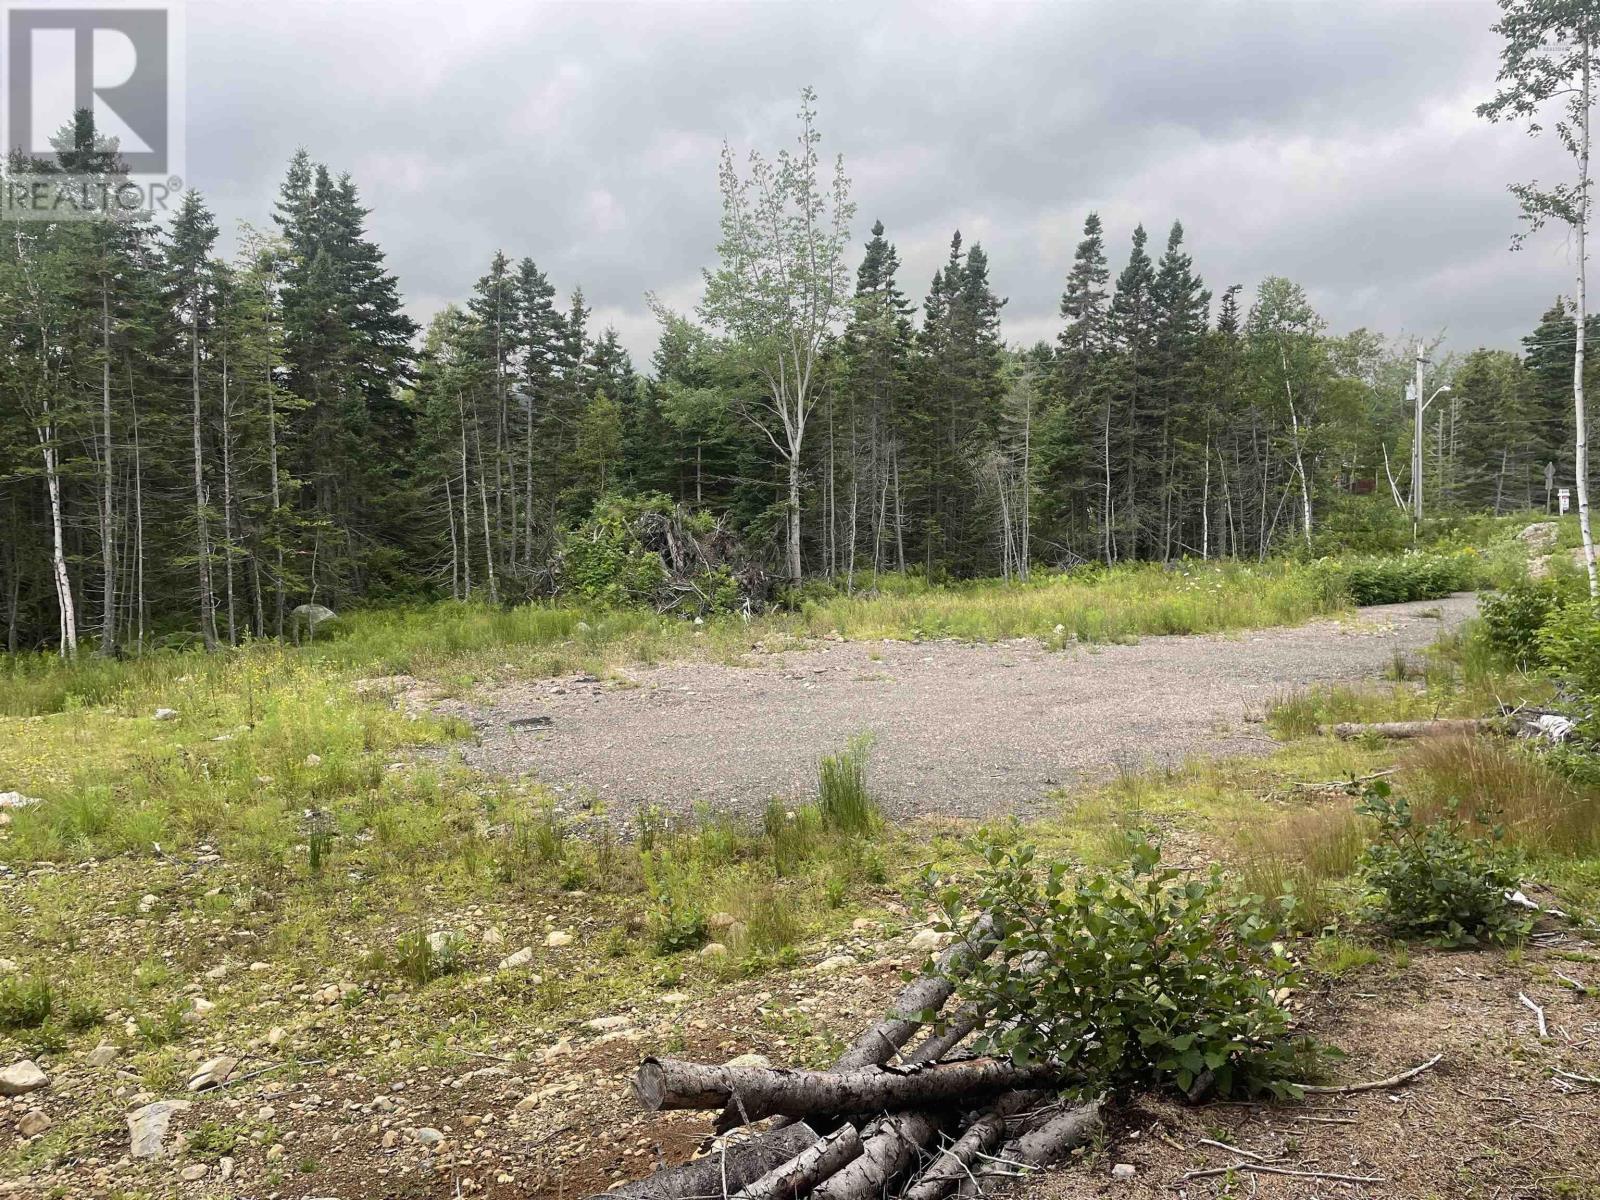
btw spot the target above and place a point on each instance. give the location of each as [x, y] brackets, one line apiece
[190, 447]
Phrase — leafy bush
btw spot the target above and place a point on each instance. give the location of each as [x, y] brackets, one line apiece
[1408, 577]
[677, 925]
[1436, 881]
[1131, 978]
[1569, 646]
[603, 559]
[1513, 618]
[25, 1003]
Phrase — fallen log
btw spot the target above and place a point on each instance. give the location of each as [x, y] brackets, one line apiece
[767, 1091]
[735, 1165]
[1049, 1143]
[1401, 730]
[954, 1163]
[878, 1044]
[802, 1173]
[889, 1149]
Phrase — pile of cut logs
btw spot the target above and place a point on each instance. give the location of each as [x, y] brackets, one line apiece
[923, 1123]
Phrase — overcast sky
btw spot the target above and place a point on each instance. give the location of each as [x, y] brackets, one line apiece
[1331, 141]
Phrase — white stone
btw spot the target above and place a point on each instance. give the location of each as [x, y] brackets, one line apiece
[33, 1123]
[276, 1034]
[608, 1024]
[193, 1172]
[835, 964]
[147, 1127]
[102, 1055]
[749, 1060]
[557, 938]
[493, 937]
[22, 1077]
[519, 959]
[166, 714]
[212, 1073]
[16, 800]
[427, 1137]
[1123, 1171]
[713, 950]
[201, 1006]
[927, 940]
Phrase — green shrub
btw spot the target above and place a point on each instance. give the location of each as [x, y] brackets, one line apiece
[1135, 977]
[1434, 880]
[603, 560]
[677, 925]
[1513, 618]
[420, 957]
[1569, 646]
[25, 1002]
[1408, 577]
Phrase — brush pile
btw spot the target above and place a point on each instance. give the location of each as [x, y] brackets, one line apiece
[922, 1123]
[648, 551]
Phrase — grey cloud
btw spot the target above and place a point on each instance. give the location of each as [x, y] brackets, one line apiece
[1330, 142]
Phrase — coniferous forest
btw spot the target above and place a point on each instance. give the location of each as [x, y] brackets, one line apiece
[191, 445]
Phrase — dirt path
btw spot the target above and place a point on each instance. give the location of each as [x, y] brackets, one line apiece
[960, 729]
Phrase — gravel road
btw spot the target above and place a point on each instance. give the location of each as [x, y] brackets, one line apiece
[959, 729]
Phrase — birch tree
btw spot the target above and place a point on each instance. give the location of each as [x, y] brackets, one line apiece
[782, 286]
[1548, 62]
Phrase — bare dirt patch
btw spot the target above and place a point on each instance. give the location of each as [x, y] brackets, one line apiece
[960, 730]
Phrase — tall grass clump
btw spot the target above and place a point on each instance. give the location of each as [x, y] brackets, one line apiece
[1537, 807]
[842, 797]
[1301, 862]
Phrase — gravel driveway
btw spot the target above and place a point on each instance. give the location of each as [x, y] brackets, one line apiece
[959, 729]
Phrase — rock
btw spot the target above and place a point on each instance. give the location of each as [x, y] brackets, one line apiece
[8, 966]
[201, 1006]
[749, 1060]
[557, 938]
[1123, 1171]
[166, 714]
[266, 1112]
[16, 800]
[675, 998]
[521, 958]
[835, 964]
[148, 901]
[147, 1127]
[220, 971]
[276, 1035]
[225, 1168]
[275, 1152]
[427, 1137]
[863, 924]
[313, 760]
[493, 937]
[102, 1055]
[713, 950]
[193, 1173]
[390, 1139]
[212, 1073]
[928, 940]
[608, 1024]
[260, 966]
[23, 1077]
[720, 920]
[33, 1123]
